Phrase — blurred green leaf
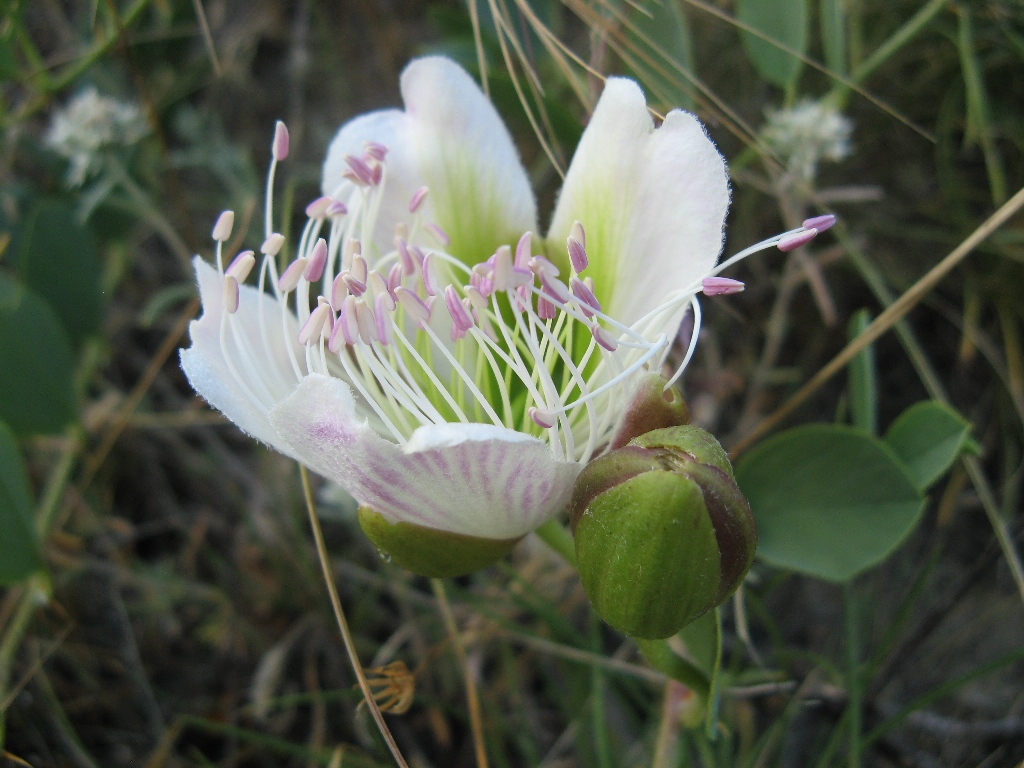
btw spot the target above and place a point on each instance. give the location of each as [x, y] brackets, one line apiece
[59, 260]
[663, 26]
[928, 437]
[36, 371]
[19, 550]
[829, 501]
[784, 21]
[833, 34]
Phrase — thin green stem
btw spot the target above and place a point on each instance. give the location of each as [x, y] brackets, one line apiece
[339, 615]
[853, 690]
[558, 537]
[476, 721]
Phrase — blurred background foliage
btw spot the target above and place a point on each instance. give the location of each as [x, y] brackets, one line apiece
[164, 605]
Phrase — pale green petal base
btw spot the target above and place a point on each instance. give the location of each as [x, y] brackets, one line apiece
[429, 551]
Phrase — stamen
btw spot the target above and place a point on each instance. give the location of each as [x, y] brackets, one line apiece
[336, 208]
[376, 150]
[720, 286]
[604, 338]
[792, 242]
[352, 249]
[542, 418]
[241, 266]
[577, 233]
[541, 266]
[273, 244]
[429, 274]
[408, 266]
[222, 229]
[461, 318]
[417, 199]
[314, 325]
[339, 290]
[319, 207]
[588, 301]
[545, 309]
[291, 276]
[413, 305]
[360, 269]
[383, 317]
[439, 234]
[355, 287]
[501, 271]
[820, 223]
[348, 324]
[231, 294]
[394, 279]
[523, 249]
[578, 254]
[367, 323]
[555, 288]
[379, 286]
[317, 261]
[279, 149]
[359, 171]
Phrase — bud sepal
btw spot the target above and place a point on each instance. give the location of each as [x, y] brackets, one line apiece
[662, 532]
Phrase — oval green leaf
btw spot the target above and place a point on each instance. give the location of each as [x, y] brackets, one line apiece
[59, 260]
[928, 437]
[19, 550]
[785, 22]
[829, 500]
[37, 392]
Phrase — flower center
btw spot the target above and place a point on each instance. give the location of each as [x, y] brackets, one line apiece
[423, 337]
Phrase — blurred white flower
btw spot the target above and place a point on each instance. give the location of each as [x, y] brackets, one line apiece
[89, 123]
[806, 134]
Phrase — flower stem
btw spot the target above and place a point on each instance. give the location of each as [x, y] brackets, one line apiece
[557, 536]
[339, 614]
[476, 722]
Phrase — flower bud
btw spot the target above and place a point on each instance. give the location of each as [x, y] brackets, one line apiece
[663, 534]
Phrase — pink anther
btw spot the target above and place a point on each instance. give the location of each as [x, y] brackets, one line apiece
[222, 229]
[417, 199]
[279, 148]
[795, 241]
[291, 276]
[720, 286]
[820, 223]
[241, 266]
[542, 418]
[231, 294]
[319, 207]
[317, 261]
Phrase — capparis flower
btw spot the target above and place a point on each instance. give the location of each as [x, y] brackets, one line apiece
[425, 349]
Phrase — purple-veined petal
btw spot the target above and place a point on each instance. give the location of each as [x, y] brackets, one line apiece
[472, 479]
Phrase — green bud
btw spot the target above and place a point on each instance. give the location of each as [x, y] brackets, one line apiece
[663, 534]
[429, 551]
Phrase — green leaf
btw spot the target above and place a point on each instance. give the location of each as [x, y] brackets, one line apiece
[36, 372]
[59, 261]
[663, 26]
[928, 437]
[833, 34]
[19, 550]
[829, 500]
[784, 21]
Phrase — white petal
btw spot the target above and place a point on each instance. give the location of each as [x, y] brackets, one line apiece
[652, 202]
[472, 479]
[268, 381]
[450, 139]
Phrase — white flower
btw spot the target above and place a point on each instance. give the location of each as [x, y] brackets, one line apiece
[806, 134]
[448, 368]
[87, 125]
